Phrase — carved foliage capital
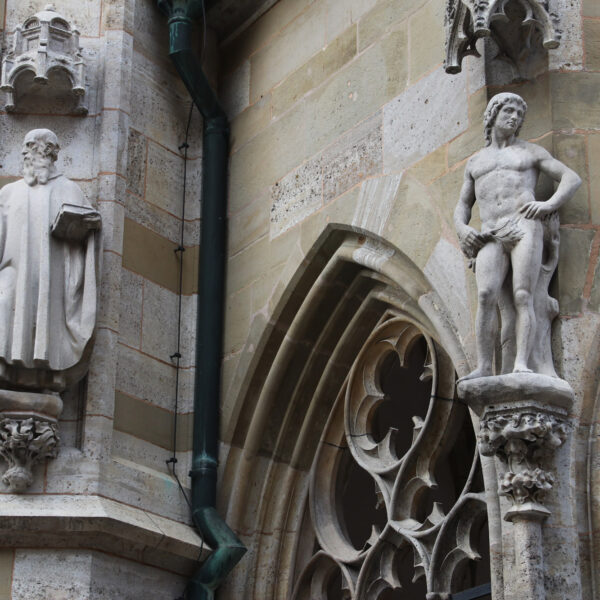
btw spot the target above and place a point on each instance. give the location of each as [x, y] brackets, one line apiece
[522, 440]
[24, 443]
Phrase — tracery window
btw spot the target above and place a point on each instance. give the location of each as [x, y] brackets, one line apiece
[396, 501]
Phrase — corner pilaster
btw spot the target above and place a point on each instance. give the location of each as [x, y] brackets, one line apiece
[524, 420]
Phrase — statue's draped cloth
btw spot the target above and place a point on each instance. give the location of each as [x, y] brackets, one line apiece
[47, 285]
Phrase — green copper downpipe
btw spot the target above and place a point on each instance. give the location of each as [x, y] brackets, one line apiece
[227, 548]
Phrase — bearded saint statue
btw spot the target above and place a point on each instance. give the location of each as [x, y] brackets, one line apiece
[48, 273]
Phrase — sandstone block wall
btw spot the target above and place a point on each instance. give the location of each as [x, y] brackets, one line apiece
[343, 116]
[117, 428]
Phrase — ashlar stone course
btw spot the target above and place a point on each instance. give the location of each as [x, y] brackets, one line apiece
[385, 15]
[593, 149]
[571, 149]
[573, 97]
[353, 157]
[262, 32]
[426, 39]
[358, 90]
[409, 134]
[575, 249]
[591, 33]
[312, 73]
[272, 63]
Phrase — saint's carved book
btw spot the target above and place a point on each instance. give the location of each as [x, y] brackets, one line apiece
[75, 222]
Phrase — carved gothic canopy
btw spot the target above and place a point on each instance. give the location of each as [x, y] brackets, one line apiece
[469, 20]
[45, 59]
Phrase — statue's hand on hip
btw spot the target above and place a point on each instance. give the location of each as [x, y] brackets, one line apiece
[536, 210]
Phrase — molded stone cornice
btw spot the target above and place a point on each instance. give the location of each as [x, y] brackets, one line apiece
[469, 20]
[97, 523]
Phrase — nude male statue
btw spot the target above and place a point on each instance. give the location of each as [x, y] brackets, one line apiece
[502, 178]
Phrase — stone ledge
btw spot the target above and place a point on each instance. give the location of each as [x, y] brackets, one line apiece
[97, 523]
[28, 404]
[513, 388]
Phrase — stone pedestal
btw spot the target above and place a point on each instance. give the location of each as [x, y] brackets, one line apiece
[28, 433]
[524, 418]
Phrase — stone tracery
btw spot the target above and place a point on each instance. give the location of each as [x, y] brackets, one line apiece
[439, 539]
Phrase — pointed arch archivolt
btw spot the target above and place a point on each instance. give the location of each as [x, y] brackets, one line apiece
[585, 453]
[352, 282]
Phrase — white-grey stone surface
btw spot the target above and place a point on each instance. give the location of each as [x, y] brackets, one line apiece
[51, 285]
[154, 380]
[516, 252]
[86, 575]
[43, 575]
[425, 116]
[296, 196]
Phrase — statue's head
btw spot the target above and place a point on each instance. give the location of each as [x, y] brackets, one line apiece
[495, 105]
[40, 151]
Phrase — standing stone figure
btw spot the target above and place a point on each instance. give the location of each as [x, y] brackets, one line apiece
[47, 273]
[516, 250]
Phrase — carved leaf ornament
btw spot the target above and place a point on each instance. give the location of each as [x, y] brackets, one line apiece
[469, 20]
[521, 441]
[416, 531]
[24, 443]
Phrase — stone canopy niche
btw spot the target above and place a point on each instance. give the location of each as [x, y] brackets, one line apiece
[45, 65]
[48, 283]
[512, 24]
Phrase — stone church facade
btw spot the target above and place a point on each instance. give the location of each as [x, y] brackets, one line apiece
[349, 467]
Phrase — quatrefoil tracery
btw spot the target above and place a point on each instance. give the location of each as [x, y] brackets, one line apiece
[440, 538]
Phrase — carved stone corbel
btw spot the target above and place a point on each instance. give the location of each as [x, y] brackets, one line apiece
[522, 440]
[23, 444]
[28, 434]
[469, 20]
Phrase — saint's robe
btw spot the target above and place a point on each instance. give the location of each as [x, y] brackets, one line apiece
[47, 285]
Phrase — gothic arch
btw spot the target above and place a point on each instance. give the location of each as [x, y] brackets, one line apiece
[351, 283]
[585, 471]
